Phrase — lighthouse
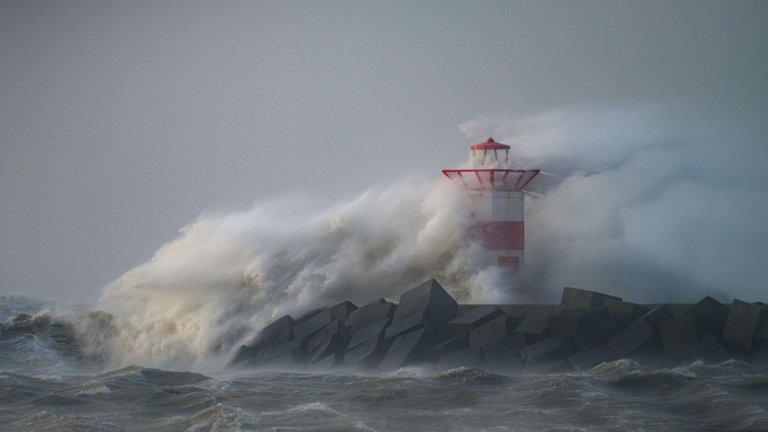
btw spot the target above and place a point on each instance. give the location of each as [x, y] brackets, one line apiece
[495, 203]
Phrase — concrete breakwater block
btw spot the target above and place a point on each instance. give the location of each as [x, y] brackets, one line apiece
[497, 329]
[623, 313]
[405, 324]
[374, 331]
[709, 316]
[761, 356]
[641, 333]
[760, 340]
[246, 356]
[369, 314]
[311, 323]
[633, 337]
[743, 321]
[545, 355]
[537, 322]
[457, 343]
[280, 330]
[341, 311]
[575, 298]
[679, 336]
[328, 362]
[709, 350]
[367, 346]
[543, 347]
[283, 353]
[655, 316]
[565, 323]
[473, 318]
[406, 348]
[595, 335]
[504, 355]
[426, 305]
[365, 355]
[330, 339]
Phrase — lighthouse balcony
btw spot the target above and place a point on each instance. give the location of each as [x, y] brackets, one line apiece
[492, 179]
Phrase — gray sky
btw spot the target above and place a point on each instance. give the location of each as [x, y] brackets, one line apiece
[120, 122]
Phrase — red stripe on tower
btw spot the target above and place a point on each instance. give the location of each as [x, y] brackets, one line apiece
[510, 263]
[499, 236]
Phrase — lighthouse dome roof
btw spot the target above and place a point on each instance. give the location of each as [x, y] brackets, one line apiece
[489, 144]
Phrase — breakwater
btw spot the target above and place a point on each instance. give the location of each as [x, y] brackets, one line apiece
[427, 326]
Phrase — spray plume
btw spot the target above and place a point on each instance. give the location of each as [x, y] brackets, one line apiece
[205, 292]
[629, 203]
[635, 203]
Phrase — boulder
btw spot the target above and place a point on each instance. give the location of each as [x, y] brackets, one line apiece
[427, 305]
[473, 318]
[575, 298]
[743, 321]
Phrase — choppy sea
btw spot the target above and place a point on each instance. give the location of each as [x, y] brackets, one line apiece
[46, 386]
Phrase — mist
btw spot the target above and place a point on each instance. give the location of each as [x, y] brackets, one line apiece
[122, 121]
[642, 202]
[629, 203]
[228, 275]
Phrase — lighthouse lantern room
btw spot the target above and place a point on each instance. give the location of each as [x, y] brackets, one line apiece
[495, 203]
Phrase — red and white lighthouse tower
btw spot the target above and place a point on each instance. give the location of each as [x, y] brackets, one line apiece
[495, 203]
